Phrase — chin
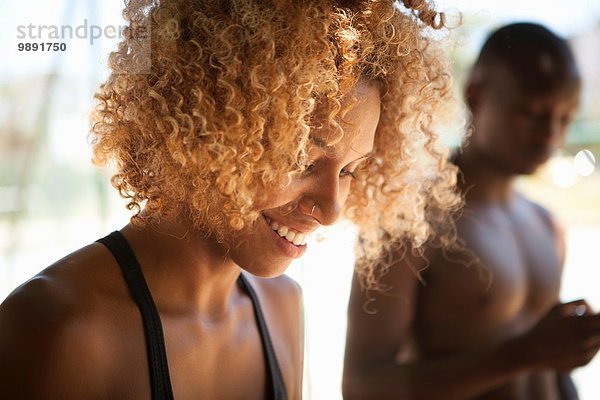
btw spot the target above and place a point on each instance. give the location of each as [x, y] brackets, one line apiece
[523, 166]
[525, 170]
[266, 271]
[258, 264]
[530, 169]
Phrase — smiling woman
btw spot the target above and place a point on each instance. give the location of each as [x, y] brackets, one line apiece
[322, 187]
[257, 122]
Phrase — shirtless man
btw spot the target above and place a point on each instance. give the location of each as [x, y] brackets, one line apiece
[495, 329]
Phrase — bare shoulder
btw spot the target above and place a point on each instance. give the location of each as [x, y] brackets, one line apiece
[539, 211]
[49, 333]
[549, 221]
[282, 287]
[50, 297]
[281, 296]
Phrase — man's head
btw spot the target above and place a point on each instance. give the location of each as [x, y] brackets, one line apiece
[523, 92]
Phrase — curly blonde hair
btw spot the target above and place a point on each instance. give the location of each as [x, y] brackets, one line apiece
[225, 109]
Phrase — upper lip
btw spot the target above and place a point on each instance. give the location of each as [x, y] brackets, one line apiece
[305, 228]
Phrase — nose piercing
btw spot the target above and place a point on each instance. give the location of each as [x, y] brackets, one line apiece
[580, 310]
[312, 210]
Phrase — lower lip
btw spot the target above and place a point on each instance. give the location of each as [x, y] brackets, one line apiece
[288, 248]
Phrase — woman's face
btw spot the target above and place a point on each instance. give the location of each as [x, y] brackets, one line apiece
[312, 198]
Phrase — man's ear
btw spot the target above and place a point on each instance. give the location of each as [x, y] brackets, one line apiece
[472, 95]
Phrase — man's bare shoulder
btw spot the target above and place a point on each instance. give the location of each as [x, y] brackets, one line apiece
[547, 220]
[539, 211]
[51, 333]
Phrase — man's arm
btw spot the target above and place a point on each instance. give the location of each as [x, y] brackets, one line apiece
[566, 387]
[374, 340]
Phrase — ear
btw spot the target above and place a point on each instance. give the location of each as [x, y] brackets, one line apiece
[472, 95]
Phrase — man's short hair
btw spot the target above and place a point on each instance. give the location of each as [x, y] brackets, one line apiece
[539, 59]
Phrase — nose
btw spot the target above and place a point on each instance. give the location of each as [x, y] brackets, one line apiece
[328, 201]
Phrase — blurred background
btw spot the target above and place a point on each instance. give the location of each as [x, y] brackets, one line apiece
[53, 201]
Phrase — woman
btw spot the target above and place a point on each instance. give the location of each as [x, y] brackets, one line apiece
[257, 122]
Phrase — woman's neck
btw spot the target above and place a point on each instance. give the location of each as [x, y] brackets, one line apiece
[185, 270]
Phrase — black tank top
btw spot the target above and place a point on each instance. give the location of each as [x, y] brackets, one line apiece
[157, 355]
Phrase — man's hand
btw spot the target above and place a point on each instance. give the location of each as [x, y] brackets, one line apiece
[566, 338]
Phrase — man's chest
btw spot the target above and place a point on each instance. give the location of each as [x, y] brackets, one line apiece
[505, 280]
[517, 256]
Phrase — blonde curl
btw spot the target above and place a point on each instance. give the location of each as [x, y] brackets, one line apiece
[226, 107]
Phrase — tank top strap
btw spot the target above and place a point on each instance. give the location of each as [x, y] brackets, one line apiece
[157, 356]
[277, 384]
[160, 380]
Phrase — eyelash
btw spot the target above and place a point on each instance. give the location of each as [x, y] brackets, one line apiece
[343, 172]
[350, 174]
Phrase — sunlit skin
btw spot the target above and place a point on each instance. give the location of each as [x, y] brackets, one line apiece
[238, 143]
[487, 322]
[325, 185]
[79, 315]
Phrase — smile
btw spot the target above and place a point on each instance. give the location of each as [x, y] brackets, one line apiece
[289, 234]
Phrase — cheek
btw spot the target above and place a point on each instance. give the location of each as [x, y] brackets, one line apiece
[503, 131]
[344, 191]
[522, 124]
[487, 124]
[278, 197]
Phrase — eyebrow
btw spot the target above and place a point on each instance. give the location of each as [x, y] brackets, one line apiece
[364, 156]
[322, 144]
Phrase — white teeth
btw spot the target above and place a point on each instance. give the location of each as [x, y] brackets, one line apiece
[298, 239]
[290, 235]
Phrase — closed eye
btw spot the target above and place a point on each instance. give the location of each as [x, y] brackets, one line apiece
[310, 168]
[348, 171]
[345, 173]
